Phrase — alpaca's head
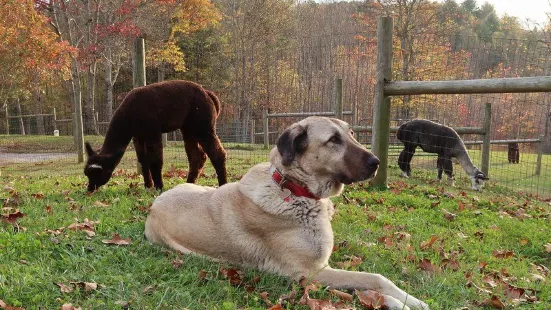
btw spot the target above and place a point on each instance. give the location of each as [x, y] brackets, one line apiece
[98, 169]
[477, 180]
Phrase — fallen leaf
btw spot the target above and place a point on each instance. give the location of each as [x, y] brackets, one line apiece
[370, 299]
[276, 307]
[341, 295]
[38, 196]
[353, 261]
[202, 275]
[537, 278]
[177, 263]
[12, 217]
[503, 253]
[4, 306]
[448, 215]
[426, 265]
[117, 240]
[460, 206]
[513, 291]
[98, 203]
[87, 286]
[69, 307]
[149, 289]
[547, 247]
[64, 288]
[450, 263]
[429, 243]
[493, 302]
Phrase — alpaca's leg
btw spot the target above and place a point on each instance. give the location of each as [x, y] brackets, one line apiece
[404, 160]
[440, 166]
[141, 153]
[154, 149]
[212, 146]
[196, 157]
[448, 168]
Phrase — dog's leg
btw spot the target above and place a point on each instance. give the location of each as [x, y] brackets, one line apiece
[141, 153]
[363, 281]
[404, 160]
[196, 157]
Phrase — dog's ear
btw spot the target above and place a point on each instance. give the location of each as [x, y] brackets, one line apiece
[292, 141]
[89, 149]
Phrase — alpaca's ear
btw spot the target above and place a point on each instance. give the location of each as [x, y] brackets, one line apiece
[481, 176]
[89, 149]
[292, 141]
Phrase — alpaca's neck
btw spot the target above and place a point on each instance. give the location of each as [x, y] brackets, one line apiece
[116, 138]
[466, 163]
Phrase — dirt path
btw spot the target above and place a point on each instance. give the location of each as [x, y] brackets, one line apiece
[6, 158]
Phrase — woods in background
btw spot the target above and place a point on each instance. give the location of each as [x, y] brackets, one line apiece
[280, 55]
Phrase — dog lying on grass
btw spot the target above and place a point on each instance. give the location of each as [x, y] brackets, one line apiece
[277, 217]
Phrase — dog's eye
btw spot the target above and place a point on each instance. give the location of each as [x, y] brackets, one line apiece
[335, 139]
[352, 132]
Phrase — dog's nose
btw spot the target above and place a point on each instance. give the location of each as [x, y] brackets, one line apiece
[373, 162]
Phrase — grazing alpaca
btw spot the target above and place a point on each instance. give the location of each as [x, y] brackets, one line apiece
[513, 154]
[147, 112]
[442, 140]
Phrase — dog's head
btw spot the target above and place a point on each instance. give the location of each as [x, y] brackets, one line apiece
[98, 168]
[477, 180]
[323, 154]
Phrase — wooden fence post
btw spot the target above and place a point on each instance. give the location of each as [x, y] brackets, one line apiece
[381, 115]
[253, 126]
[485, 165]
[7, 120]
[338, 101]
[265, 126]
[540, 153]
[138, 71]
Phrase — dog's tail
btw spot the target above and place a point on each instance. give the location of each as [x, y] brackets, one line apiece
[215, 100]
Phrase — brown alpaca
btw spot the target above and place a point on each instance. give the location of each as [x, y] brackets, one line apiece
[147, 112]
[513, 154]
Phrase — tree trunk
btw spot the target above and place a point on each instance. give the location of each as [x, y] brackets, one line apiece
[20, 120]
[109, 91]
[90, 125]
[38, 109]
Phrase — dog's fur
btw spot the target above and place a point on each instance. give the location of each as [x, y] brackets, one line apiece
[249, 223]
[513, 154]
[147, 112]
[442, 140]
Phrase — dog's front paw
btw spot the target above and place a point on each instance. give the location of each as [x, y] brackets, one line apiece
[404, 175]
[415, 303]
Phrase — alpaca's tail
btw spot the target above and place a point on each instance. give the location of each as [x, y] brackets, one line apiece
[400, 133]
[215, 100]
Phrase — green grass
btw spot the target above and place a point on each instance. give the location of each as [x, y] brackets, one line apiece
[33, 261]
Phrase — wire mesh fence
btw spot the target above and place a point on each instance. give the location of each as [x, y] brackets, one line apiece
[300, 77]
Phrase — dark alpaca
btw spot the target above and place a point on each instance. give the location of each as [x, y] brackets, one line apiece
[147, 112]
[442, 140]
[513, 154]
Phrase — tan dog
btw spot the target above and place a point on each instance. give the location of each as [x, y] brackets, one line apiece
[277, 218]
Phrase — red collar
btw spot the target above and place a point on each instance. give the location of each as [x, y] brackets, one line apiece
[294, 189]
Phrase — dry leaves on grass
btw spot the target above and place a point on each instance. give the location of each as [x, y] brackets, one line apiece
[371, 299]
[87, 226]
[116, 239]
[353, 261]
[70, 307]
[429, 243]
[502, 253]
[493, 302]
[448, 215]
[547, 247]
[12, 216]
[5, 306]
[428, 266]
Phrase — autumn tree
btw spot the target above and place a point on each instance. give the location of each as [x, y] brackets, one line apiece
[30, 55]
